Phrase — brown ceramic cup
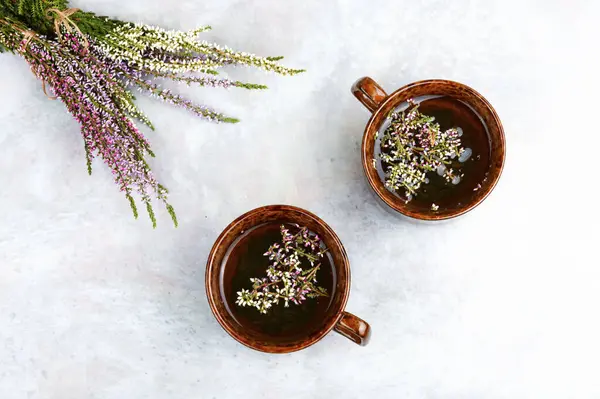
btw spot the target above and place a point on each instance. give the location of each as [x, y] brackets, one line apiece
[332, 318]
[379, 103]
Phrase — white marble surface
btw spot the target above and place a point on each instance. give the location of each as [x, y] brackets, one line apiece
[501, 303]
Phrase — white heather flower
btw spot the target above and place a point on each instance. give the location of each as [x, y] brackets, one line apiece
[131, 42]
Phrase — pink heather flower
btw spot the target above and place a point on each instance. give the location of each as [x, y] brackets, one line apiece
[92, 88]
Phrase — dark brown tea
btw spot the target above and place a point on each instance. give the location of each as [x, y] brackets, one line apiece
[245, 259]
[471, 173]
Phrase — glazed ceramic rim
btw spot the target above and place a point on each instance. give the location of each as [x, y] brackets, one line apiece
[213, 262]
[374, 179]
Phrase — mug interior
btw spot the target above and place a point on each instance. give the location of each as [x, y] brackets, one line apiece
[223, 282]
[475, 114]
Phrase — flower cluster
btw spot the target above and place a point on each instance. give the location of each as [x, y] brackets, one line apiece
[94, 90]
[93, 64]
[170, 52]
[414, 145]
[286, 279]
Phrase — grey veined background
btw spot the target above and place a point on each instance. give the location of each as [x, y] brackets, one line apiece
[500, 303]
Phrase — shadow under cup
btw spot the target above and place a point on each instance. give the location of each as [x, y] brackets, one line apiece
[223, 279]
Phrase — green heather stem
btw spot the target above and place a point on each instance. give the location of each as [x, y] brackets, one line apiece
[132, 205]
[173, 215]
[250, 86]
[151, 213]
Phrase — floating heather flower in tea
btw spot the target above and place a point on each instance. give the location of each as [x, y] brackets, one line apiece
[286, 280]
[414, 145]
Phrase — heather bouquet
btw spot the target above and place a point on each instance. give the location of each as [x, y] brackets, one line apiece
[94, 65]
[286, 279]
[414, 145]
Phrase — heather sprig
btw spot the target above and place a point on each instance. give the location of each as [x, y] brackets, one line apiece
[414, 145]
[93, 63]
[286, 279]
[147, 47]
[93, 90]
[159, 50]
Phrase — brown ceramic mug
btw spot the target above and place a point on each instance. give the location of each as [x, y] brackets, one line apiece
[221, 271]
[462, 105]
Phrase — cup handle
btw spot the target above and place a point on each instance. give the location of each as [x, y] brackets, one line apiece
[369, 93]
[353, 328]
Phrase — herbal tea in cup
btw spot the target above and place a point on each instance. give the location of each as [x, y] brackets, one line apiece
[278, 279]
[433, 149]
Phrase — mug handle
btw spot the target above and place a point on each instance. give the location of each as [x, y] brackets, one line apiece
[353, 328]
[369, 93]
